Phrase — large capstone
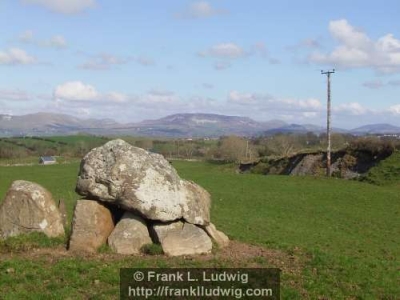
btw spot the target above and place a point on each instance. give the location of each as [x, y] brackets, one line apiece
[141, 182]
[29, 207]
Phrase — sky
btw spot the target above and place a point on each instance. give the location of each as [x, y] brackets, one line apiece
[136, 60]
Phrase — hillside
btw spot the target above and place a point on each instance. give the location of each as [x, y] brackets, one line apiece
[200, 125]
[177, 125]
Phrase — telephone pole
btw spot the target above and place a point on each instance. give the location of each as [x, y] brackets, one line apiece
[328, 120]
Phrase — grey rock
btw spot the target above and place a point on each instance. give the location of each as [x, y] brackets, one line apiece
[160, 230]
[92, 223]
[29, 207]
[308, 165]
[129, 235]
[218, 236]
[141, 182]
[181, 238]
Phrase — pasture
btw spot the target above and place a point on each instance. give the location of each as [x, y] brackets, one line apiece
[333, 239]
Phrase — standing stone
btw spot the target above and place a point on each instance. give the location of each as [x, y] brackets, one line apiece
[29, 207]
[183, 239]
[218, 236]
[129, 235]
[92, 223]
[140, 181]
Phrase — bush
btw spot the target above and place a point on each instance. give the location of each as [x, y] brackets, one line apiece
[372, 145]
[260, 168]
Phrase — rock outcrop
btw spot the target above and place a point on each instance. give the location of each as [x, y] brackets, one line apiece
[29, 207]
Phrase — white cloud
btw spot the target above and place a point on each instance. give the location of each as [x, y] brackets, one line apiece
[224, 50]
[308, 43]
[265, 101]
[199, 10]
[117, 97]
[16, 56]
[395, 109]
[261, 49]
[310, 114]
[357, 50]
[14, 95]
[308, 104]
[373, 84]
[103, 62]
[160, 92]
[75, 91]
[352, 108]
[56, 41]
[26, 36]
[144, 61]
[63, 6]
[239, 98]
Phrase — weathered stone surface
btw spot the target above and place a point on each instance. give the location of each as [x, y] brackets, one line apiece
[218, 236]
[29, 207]
[183, 239]
[140, 181]
[129, 235]
[309, 165]
[92, 223]
[160, 230]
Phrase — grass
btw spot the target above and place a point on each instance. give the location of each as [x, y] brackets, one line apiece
[22, 243]
[345, 232]
[387, 172]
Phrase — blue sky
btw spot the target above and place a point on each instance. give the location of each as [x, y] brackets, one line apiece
[135, 60]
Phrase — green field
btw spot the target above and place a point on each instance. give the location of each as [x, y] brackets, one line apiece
[343, 236]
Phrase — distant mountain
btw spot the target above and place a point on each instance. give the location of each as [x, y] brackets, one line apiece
[376, 129]
[200, 125]
[49, 124]
[301, 129]
[178, 125]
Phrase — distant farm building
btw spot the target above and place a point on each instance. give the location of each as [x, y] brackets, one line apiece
[47, 160]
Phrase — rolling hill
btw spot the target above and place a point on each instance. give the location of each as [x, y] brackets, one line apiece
[177, 125]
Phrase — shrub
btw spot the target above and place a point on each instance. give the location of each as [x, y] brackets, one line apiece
[372, 145]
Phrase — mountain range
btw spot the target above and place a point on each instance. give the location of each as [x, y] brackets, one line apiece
[177, 125]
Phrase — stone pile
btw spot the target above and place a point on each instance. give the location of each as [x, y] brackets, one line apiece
[156, 205]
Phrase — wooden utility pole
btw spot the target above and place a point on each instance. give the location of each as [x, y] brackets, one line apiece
[328, 121]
